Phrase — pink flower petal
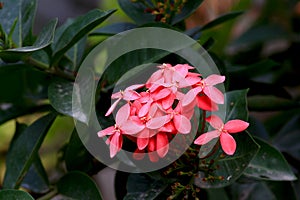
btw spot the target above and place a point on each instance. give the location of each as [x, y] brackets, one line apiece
[214, 94]
[168, 127]
[123, 114]
[117, 95]
[162, 144]
[134, 87]
[154, 77]
[228, 143]
[214, 79]
[107, 131]
[181, 69]
[142, 143]
[168, 101]
[131, 95]
[182, 124]
[112, 107]
[138, 154]
[115, 145]
[207, 137]
[190, 96]
[235, 126]
[152, 144]
[130, 127]
[189, 81]
[161, 94]
[157, 122]
[145, 109]
[215, 121]
[205, 103]
[153, 157]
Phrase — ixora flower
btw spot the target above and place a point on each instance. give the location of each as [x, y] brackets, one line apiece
[156, 111]
[223, 131]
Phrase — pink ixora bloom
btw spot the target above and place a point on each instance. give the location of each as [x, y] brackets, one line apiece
[128, 94]
[123, 126]
[207, 87]
[223, 131]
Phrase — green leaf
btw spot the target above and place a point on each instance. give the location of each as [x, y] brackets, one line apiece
[188, 8]
[113, 29]
[76, 155]
[229, 168]
[23, 150]
[36, 179]
[79, 28]
[141, 186]
[236, 102]
[75, 55]
[43, 40]
[15, 195]
[270, 103]
[79, 186]
[77, 104]
[221, 19]
[24, 12]
[130, 60]
[269, 164]
[136, 11]
[21, 91]
[10, 111]
[194, 32]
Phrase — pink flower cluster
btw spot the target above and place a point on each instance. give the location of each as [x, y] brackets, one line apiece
[157, 110]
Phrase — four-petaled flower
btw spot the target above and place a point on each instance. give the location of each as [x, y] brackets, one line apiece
[223, 131]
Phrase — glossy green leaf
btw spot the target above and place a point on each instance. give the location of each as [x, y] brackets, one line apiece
[131, 60]
[136, 11]
[194, 32]
[20, 90]
[14, 195]
[76, 155]
[221, 19]
[75, 55]
[269, 164]
[271, 103]
[78, 29]
[23, 150]
[43, 40]
[113, 29]
[10, 111]
[36, 179]
[236, 105]
[24, 12]
[141, 186]
[77, 104]
[188, 8]
[79, 186]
